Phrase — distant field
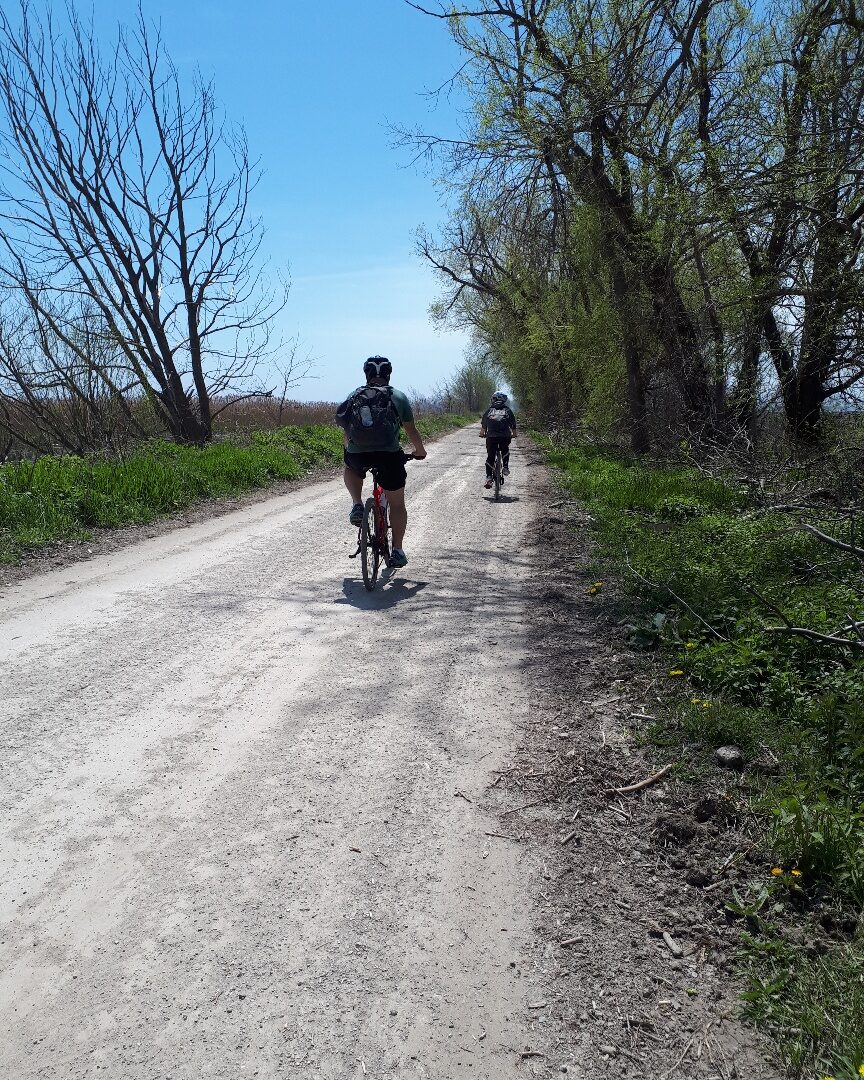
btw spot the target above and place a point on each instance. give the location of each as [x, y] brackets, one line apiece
[64, 498]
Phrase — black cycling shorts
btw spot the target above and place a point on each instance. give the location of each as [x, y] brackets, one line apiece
[390, 465]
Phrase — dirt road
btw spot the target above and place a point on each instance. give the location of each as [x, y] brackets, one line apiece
[241, 833]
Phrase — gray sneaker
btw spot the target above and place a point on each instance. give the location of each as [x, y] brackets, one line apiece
[356, 515]
[398, 558]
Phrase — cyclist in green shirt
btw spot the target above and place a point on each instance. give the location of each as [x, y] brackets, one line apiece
[370, 420]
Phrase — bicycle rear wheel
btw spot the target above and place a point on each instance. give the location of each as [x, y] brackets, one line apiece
[369, 554]
[499, 473]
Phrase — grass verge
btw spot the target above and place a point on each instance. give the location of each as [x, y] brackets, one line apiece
[707, 574]
[64, 498]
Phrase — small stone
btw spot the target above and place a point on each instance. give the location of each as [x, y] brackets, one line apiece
[611, 1051]
[729, 757]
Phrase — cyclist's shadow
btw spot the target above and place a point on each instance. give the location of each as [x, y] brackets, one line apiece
[389, 592]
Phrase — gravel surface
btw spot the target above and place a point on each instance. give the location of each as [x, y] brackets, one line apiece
[241, 833]
[259, 822]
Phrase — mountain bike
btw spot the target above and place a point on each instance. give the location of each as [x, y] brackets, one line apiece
[497, 471]
[373, 536]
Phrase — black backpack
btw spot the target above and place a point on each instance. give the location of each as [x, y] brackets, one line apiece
[370, 418]
[498, 422]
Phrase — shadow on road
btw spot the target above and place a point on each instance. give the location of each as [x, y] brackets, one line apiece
[389, 592]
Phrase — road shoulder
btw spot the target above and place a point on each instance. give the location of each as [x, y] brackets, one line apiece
[632, 945]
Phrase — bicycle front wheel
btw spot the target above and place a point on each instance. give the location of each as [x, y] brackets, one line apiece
[499, 473]
[369, 553]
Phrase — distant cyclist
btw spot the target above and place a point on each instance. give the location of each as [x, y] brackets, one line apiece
[370, 419]
[498, 426]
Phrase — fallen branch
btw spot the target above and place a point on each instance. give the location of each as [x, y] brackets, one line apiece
[647, 782]
[814, 635]
[826, 538]
[566, 839]
[502, 836]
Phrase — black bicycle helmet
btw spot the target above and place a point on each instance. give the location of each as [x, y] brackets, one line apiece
[378, 367]
[498, 398]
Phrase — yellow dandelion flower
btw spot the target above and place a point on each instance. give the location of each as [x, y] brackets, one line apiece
[690, 645]
[861, 1070]
[777, 871]
[695, 700]
[675, 672]
[796, 873]
[706, 704]
[598, 584]
[591, 591]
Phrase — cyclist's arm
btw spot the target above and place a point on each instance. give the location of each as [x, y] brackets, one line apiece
[416, 439]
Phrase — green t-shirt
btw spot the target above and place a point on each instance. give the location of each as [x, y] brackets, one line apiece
[406, 416]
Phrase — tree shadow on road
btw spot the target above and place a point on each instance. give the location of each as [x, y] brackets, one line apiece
[389, 592]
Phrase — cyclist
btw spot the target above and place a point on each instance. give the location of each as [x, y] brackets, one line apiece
[370, 419]
[498, 427]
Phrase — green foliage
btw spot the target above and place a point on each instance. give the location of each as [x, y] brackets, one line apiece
[707, 575]
[824, 840]
[440, 423]
[61, 498]
[813, 1004]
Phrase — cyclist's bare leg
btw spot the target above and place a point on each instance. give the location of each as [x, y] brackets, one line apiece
[398, 515]
[354, 483]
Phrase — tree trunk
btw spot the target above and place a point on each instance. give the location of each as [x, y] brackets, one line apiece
[623, 295]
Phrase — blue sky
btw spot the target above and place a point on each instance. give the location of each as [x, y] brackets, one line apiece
[316, 84]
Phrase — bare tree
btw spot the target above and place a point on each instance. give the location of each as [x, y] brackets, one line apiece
[71, 391]
[291, 367]
[118, 190]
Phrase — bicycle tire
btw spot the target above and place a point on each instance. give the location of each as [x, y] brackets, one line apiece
[369, 554]
[384, 535]
[499, 470]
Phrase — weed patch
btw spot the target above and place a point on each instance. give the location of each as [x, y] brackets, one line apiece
[63, 498]
[714, 584]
